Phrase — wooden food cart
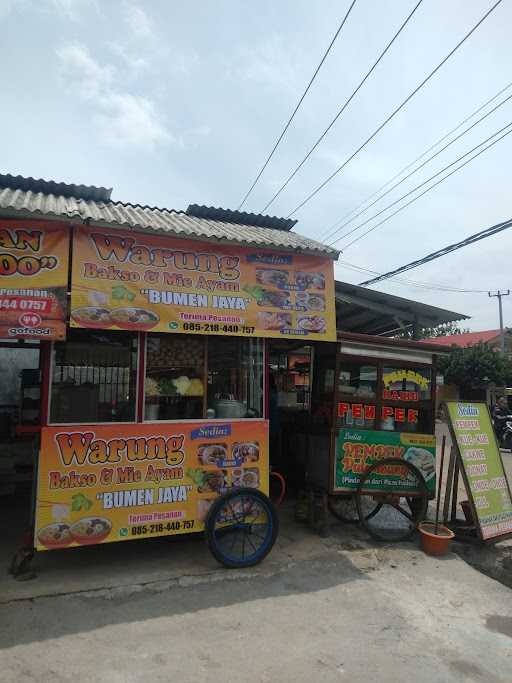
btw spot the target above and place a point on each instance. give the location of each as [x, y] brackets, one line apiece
[369, 446]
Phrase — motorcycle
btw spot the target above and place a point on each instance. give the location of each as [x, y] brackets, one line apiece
[505, 438]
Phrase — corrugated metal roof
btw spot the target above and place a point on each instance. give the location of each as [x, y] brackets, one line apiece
[360, 309]
[240, 217]
[51, 187]
[27, 203]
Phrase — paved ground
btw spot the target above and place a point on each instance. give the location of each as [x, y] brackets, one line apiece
[334, 609]
[338, 612]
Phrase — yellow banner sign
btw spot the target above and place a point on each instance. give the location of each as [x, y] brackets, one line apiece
[131, 281]
[119, 482]
[33, 279]
[407, 376]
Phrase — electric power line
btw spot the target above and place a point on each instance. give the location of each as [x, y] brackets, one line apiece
[488, 232]
[424, 163]
[360, 237]
[395, 112]
[434, 286]
[283, 133]
[340, 112]
[408, 166]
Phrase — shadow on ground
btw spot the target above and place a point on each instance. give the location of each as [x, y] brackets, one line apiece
[30, 621]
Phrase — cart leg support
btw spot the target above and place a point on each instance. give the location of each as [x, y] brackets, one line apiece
[20, 566]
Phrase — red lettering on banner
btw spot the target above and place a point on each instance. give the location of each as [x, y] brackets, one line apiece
[400, 414]
[357, 410]
[343, 409]
[387, 411]
[369, 412]
[412, 416]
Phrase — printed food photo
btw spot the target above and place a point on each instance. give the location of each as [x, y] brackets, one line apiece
[276, 278]
[212, 454]
[246, 452]
[274, 321]
[90, 530]
[57, 535]
[311, 302]
[313, 323]
[310, 280]
[91, 316]
[249, 478]
[130, 318]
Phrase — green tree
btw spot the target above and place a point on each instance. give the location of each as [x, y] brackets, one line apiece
[475, 367]
[442, 330]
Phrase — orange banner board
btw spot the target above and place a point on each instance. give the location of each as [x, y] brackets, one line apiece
[34, 259]
[124, 280]
[120, 482]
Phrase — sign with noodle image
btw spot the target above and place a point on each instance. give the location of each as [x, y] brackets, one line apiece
[129, 281]
[117, 482]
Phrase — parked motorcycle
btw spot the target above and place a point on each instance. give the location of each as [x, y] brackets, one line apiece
[505, 438]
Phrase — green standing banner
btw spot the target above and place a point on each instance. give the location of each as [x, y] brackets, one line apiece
[358, 449]
[482, 467]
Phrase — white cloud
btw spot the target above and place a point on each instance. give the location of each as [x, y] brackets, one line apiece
[132, 120]
[72, 9]
[132, 62]
[268, 63]
[137, 19]
[123, 119]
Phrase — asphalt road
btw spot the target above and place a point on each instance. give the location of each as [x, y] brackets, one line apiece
[380, 615]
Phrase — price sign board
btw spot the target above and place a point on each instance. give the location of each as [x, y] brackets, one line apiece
[482, 467]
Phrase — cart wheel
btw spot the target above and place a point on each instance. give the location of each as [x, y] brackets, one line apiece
[344, 508]
[241, 528]
[399, 512]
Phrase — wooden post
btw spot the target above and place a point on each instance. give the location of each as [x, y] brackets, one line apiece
[449, 484]
[455, 491]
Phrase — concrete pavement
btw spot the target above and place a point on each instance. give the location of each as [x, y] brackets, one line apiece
[391, 615]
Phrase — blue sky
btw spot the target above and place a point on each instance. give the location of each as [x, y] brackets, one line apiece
[173, 103]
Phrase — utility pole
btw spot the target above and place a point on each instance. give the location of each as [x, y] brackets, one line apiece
[499, 295]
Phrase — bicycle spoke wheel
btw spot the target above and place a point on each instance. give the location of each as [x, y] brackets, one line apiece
[344, 508]
[400, 490]
[241, 528]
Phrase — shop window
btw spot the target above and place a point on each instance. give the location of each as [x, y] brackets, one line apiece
[358, 380]
[357, 391]
[235, 377]
[175, 377]
[191, 377]
[324, 380]
[291, 372]
[94, 377]
[406, 399]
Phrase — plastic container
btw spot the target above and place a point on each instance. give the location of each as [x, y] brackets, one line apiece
[435, 544]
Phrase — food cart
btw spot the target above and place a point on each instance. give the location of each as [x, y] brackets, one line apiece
[368, 447]
[151, 378]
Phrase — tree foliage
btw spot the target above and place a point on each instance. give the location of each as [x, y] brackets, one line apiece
[475, 366]
[442, 330]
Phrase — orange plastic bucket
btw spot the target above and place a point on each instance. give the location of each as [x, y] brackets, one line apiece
[435, 543]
